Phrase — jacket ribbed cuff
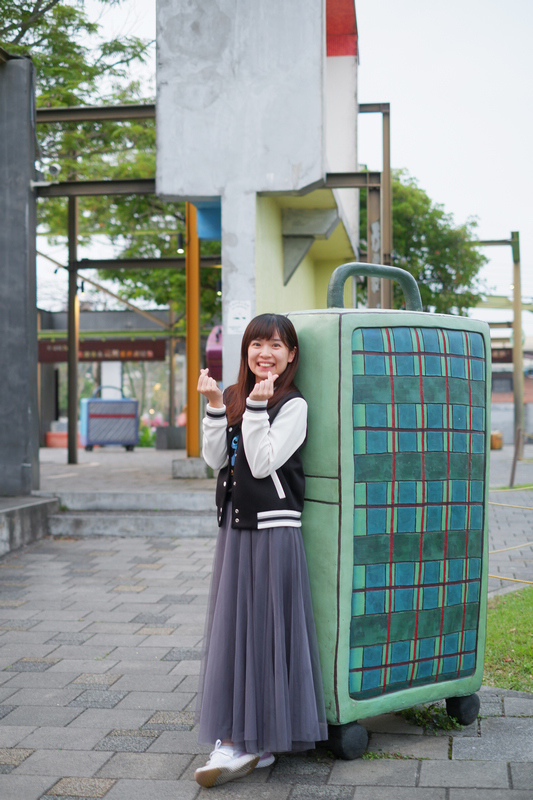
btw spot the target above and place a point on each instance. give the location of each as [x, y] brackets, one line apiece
[256, 405]
[215, 413]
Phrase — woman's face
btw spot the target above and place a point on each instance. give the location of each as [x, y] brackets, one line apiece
[268, 355]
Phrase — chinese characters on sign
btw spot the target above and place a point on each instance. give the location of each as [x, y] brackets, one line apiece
[109, 350]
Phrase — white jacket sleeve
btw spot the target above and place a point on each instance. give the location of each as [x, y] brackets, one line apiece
[214, 447]
[267, 447]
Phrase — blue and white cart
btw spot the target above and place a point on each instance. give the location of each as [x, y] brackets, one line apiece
[105, 422]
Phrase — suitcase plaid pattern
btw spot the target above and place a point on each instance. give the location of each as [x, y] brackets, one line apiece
[419, 424]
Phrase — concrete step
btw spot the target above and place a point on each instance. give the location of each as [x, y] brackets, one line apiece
[170, 524]
[24, 520]
[135, 501]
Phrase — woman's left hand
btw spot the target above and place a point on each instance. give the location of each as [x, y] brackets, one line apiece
[264, 390]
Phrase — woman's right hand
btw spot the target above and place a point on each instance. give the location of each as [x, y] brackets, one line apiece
[209, 388]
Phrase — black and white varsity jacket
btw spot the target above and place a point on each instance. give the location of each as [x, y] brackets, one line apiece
[260, 464]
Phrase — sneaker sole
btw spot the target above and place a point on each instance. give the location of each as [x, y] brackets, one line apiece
[265, 762]
[219, 775]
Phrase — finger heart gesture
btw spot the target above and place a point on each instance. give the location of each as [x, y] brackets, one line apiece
[264, 390]
[210, 389]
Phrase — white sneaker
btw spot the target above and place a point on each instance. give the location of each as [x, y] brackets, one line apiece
[265, 759]
[225, 764]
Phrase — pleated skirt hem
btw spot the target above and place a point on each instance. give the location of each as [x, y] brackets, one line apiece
[260, 682]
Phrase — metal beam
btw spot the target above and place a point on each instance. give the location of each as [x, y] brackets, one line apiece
[501, 301]
[349, 180]
[374, 108]
[518, 356]
[490, 242]
[171, 368]
[374, 240]
[73, 333]
[386, 284]
[101, 288]
[386, 184]
[59, 333]
[178, 262]
[92, 188]
[192, 312]
[333, 180]
[85, 113]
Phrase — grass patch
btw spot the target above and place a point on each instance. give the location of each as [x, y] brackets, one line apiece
[509, 651]
[369, 756]
[514, 488]
[431, 718]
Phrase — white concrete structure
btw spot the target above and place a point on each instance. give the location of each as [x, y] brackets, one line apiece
[250, 110]
[111, 377]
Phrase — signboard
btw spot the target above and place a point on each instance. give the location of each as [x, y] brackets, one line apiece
[99, 350]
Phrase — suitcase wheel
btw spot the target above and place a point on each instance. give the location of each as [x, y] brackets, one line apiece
[464, 709]
[347, 741]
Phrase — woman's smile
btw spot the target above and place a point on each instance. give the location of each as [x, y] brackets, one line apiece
[268, 355]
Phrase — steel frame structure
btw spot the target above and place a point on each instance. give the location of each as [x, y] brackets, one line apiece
[378, 185]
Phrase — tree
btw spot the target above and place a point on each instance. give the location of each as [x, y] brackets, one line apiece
[428, 244]
[76, 66]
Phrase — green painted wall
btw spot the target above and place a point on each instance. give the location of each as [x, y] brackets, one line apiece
[270, 293]
[307, 289]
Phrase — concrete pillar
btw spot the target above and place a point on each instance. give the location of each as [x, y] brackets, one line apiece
[111, 378]
[238, 279]
[19, 423]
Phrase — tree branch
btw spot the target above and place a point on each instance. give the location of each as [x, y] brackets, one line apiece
[37, 13]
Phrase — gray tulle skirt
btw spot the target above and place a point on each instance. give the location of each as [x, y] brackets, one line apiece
[260, 682]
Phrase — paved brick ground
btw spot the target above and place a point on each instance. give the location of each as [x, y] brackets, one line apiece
[99, 655]
[100, 642]
[510, 521]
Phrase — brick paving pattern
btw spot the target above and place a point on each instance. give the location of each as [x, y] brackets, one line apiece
[98, 689]
[100, 643]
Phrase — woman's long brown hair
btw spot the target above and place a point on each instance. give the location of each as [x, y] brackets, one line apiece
[265, 326]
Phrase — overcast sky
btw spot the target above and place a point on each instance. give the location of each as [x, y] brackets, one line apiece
[458, 75]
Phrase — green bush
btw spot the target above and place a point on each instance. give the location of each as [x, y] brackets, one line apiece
[146, 436]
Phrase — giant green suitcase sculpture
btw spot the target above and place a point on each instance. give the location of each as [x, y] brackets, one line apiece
[395, 523]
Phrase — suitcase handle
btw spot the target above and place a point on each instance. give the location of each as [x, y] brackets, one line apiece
[413, 301]
[99, 390]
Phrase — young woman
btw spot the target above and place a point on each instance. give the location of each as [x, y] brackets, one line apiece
[260, 686]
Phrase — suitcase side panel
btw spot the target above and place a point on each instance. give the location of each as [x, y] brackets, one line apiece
[317, 379]
[329, 554]
[419, 444]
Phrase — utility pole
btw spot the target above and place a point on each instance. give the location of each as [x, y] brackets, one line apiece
[73, 331]
[192, 313]
[518, 359]
[379, 215]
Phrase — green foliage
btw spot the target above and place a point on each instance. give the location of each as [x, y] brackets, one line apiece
[428, 244]
[509, 648]
[72, 62]
[431, 718]
[146, 436]
[370, 756]
[75, 66]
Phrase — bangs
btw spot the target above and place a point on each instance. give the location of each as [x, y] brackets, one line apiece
[264, 327]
